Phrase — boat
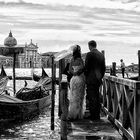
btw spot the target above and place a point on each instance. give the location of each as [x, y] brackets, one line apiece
[37, 77]
[3, 79]
[14, 108]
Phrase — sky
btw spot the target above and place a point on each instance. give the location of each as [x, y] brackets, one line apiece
[55, 25]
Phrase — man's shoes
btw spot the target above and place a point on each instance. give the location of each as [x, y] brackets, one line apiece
[87, 117]
[95, 118]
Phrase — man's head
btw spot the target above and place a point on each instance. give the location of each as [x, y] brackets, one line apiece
[121, 60]
[92, 44]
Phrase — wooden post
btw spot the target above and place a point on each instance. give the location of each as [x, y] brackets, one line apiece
[137, 113]
[125, 113]
[139, 64]
[61, 69]
[64, 107]
[53, 92]
[114, 68]
[14, 78]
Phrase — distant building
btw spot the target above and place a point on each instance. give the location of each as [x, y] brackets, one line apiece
[30, 58]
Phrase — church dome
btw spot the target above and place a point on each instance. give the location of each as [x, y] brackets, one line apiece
[10, 41]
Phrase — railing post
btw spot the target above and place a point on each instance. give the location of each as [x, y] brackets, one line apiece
[139, 64]
[61, 69]
[114, 68]
[53, 92]
[64, 107]
[124, 114]
[137, 114]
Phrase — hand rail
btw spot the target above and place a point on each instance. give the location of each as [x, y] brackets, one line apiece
[121, 101]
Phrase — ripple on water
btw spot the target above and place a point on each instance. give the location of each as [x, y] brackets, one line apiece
[37, 128]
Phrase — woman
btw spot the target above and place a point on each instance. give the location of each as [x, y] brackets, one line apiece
[77, 85]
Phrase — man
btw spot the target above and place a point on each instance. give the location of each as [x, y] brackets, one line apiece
[122, 67]
[94, 72]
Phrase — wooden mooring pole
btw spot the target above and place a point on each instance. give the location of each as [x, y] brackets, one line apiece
[53, 93]
[61, 70]
[114, 68]
[14, 77]
[139, 64]
[64, 107]
[137, 105]
[137, 114]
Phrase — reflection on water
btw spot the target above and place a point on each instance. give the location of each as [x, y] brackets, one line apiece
[36, 128]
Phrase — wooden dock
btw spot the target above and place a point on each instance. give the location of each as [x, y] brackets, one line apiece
[95, 130]
[120, 101]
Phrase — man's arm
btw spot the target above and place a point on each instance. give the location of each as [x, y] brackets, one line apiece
[103, 67]
[86, 64]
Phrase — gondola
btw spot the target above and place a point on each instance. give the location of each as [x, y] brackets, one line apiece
[37, 77]
[44, 74]
[3, 79]
[21, 108]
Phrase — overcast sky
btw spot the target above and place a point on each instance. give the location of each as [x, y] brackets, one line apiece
[57, 24]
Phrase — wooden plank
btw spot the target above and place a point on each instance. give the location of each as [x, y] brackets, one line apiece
[92, 129]
[122, 81]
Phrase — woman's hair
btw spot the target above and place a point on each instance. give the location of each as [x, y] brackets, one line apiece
[77, 52]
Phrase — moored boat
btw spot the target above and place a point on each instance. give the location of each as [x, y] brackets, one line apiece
[3, 80]
[37, 77]
[14, 108]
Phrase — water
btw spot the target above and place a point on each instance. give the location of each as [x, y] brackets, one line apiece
[35, 128]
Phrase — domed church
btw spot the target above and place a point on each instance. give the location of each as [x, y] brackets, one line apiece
[30, 58]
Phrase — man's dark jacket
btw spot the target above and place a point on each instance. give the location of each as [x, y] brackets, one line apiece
[94, 67]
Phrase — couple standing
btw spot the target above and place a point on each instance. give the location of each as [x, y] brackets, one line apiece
[89, 76]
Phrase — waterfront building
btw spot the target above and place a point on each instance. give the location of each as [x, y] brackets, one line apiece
[30, 58]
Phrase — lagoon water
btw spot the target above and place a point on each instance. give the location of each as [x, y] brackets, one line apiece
[37, 128]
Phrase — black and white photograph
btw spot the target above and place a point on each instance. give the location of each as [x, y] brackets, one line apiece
[69, 70]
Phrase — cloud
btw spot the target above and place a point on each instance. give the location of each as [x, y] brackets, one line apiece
[59, 24]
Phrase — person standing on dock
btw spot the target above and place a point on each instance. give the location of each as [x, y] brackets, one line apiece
[94, 72]
[77, 85]
[122, 67]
